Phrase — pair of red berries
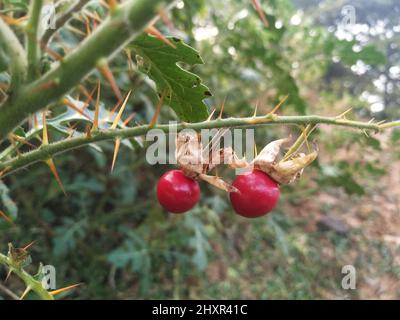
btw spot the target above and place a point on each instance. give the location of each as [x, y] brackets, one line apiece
[258, 193]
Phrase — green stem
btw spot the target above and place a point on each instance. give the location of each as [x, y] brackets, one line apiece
[62, 20]
[15, 53]
[390, 124]
[33, 50]
[47, 151]
[122, 26]
[35, 285]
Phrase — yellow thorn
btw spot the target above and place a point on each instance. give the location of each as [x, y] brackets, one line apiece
[74, 107]
[121, 110]
[7, 218]
[58, 291]
[20, 139]
[12, 21]
[35, 121]
[255, 110]
[255, 150]
[113, 110]
[116, 150]
[45, 139]
[157, 111]
[87, 24]
[127, 120]
[96, 112]
[305, 137]
[53, 169]
[372, 120]
[299, 142]
[25, 293]
[29, 245]
[8, 275]
[342, 115]
[222, 109]
[381, 122]
[153, 31]
[55, 55]
[277, 106]
[107, 73]
[366, 133]
[4, 171]
[260, 12]
[83, 90]
[75, 30]
[88, 99]
[93, 16]
[211, 115]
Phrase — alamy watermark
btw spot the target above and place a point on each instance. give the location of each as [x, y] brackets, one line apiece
[49, 277]
[48, 16]
[348, 13]
[163, 147]
[350, 278]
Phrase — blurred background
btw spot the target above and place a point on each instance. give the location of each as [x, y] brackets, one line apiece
[110, 233]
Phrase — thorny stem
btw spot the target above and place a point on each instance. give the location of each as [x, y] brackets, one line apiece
[390, 124]
[32, 38]
[15, 53]
[123, 25]
[47, 151]
[35, 285]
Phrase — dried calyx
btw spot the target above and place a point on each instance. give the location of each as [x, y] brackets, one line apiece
[196, 161]
[286, 170]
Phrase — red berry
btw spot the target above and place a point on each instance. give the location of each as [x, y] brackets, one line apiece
[258, 194]
[176, 192]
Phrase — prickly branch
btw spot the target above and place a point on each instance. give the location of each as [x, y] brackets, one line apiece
[15, 54]
[123, 24]
[16, 260]
[48, 151]
[15, 263]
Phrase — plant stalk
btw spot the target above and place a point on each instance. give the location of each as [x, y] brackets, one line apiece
[33, 50]
[47, 151]
[123, 25]
[16, 55]
[29, 281]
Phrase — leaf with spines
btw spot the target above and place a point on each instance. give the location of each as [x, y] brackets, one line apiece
[184, 91]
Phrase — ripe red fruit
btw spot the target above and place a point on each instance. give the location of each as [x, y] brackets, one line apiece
[176, 192]
[258, 194]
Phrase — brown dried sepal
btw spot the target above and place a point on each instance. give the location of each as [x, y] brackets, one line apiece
[283, 171]
[196, 162]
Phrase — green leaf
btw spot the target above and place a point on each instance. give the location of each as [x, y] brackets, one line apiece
[184, 91]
